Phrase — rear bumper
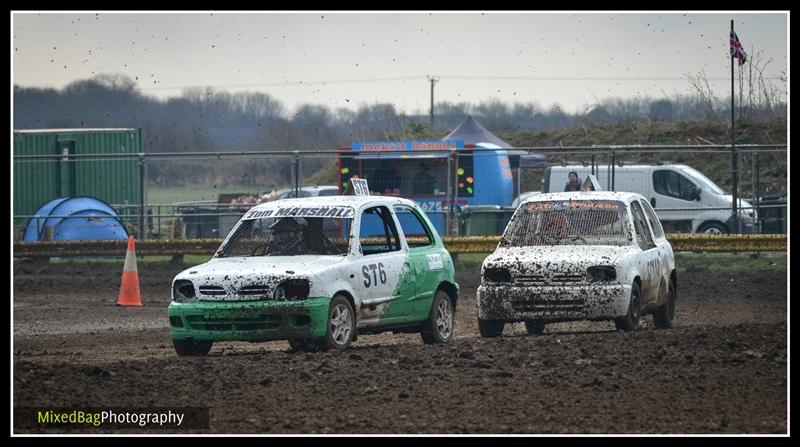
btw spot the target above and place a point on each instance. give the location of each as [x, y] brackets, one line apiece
[574, 302]
[248, 320]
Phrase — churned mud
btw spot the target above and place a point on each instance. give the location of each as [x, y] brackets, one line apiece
[721, 369]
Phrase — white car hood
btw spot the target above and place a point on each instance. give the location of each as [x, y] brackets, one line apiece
[234, 273]
[744, 204]
[550, 258]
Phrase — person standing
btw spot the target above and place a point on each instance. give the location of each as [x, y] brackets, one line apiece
[573, 184]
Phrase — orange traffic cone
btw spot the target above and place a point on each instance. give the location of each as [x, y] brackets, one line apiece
[129, 289]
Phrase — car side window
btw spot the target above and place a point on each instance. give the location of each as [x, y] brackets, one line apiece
[416, 232]
[643, 236]
[655, 224]
[673, 184]
[377, 232]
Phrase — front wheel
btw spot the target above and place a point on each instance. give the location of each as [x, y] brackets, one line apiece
[712, 228]
[490, 328]
[341, 325]
[663, 317]
[192, 348]
[438, 328]
[630, 322]
[534, 327]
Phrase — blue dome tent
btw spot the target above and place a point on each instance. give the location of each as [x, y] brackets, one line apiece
[75, 218]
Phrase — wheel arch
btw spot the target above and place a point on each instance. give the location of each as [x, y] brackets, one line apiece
[709, 222]
[351, 300]
[451, 290]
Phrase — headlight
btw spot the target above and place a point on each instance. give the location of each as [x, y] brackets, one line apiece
[497, 275]
[183, 291]
[601, 273]
[292, 289]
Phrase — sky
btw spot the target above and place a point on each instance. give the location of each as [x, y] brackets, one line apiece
[348, 59]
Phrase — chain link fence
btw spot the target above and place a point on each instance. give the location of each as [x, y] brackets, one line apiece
[465, 192]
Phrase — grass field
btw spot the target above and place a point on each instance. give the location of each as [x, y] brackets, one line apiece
[173, 194]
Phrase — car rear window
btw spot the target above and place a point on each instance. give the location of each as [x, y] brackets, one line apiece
[568, 222]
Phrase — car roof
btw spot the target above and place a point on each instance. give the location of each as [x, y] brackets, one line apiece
[585, 195]
[353, 201]
[624, 167]
[307, 187]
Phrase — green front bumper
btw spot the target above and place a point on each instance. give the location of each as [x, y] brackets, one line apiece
[248, 320]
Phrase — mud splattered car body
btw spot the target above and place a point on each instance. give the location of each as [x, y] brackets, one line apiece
[575, 256]
[316, 271]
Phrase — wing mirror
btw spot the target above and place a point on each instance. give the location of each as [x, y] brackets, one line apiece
[695, 193]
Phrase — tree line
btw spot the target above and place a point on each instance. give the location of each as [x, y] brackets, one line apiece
[205, 119]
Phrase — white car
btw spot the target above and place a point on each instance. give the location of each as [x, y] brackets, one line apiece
[575, 256]
[309, 191]
[684, 198]
[317, 272]
[523, 197]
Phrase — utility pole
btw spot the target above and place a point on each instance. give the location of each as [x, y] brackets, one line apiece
[433, 81]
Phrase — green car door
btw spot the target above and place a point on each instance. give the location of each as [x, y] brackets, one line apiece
[427, 261]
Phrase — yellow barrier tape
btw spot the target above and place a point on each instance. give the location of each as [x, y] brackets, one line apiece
[454, 244]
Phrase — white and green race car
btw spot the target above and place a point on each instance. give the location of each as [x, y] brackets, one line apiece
[318, 272]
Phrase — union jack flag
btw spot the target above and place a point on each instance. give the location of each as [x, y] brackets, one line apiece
[736, 48]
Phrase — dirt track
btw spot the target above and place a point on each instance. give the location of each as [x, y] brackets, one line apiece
[721, 369]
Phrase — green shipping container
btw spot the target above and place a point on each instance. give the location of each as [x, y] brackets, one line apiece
[115, 181]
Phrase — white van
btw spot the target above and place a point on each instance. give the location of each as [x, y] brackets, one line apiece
[684, 199]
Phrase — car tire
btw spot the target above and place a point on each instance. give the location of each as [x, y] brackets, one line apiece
[341, 325]
[193, 348]
[438, 328]
[490, 328]
[662, 318]
[534, 327]
[712, 228]
[630, 322]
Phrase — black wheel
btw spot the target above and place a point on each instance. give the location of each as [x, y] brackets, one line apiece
[630, 322]
[191, 347]
[341, 325]
[303, 345]
[534, 327]
[490, 328]
[712, 228]
[662, 318]
[438, 328]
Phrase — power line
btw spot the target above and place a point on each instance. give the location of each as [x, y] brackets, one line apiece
[413, 78]
[287, 84]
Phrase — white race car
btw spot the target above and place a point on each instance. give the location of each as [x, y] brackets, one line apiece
[579, 255]
[316, 272]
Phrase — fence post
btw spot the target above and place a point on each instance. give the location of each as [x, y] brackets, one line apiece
[455, 193]
[613, 168]
[757, 189]
[296, 172]
[141, 194]
[446, 213]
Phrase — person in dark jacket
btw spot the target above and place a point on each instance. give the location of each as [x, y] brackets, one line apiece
[573, 184]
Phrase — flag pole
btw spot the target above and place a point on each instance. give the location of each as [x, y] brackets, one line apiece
[734, 154]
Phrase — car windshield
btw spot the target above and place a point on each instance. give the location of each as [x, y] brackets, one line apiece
[288, 236]
[704, 181]
[568, 222]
